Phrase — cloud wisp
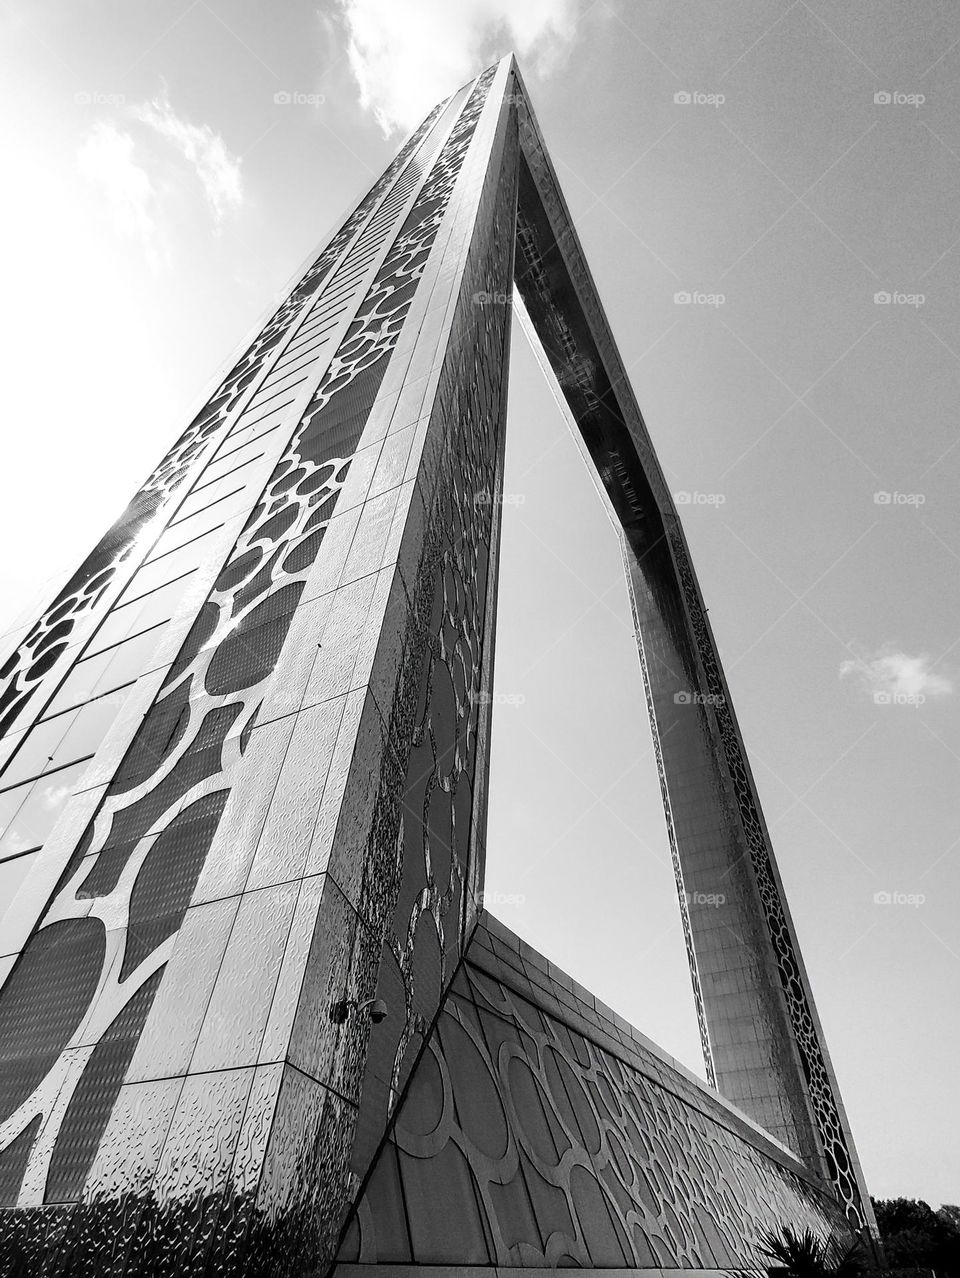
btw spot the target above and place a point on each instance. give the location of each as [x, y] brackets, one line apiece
[204, 150]
[406, 57]
[891, 674]
[143, 167]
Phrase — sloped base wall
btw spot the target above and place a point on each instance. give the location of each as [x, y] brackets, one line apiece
[540, 1131]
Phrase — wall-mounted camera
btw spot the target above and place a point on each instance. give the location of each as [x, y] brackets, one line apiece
[375, 1008]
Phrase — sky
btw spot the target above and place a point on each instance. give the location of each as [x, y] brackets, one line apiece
[769, 198]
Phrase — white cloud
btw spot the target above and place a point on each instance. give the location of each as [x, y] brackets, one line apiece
[106, 159]
[205, 150]
[897, 674]
[407, 56]
[140, 178]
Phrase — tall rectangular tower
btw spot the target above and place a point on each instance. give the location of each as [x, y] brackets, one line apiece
[244, 773]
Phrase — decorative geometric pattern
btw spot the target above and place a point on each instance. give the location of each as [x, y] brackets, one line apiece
[527, 1140]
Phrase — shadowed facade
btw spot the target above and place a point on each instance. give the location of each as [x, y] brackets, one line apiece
[244, 768]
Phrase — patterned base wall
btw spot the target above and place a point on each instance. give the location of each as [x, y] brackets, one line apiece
[535, 1133]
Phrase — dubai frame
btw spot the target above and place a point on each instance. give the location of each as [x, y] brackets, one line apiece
[254, 1019]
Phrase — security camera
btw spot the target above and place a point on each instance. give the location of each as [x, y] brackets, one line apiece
[375, 1008]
